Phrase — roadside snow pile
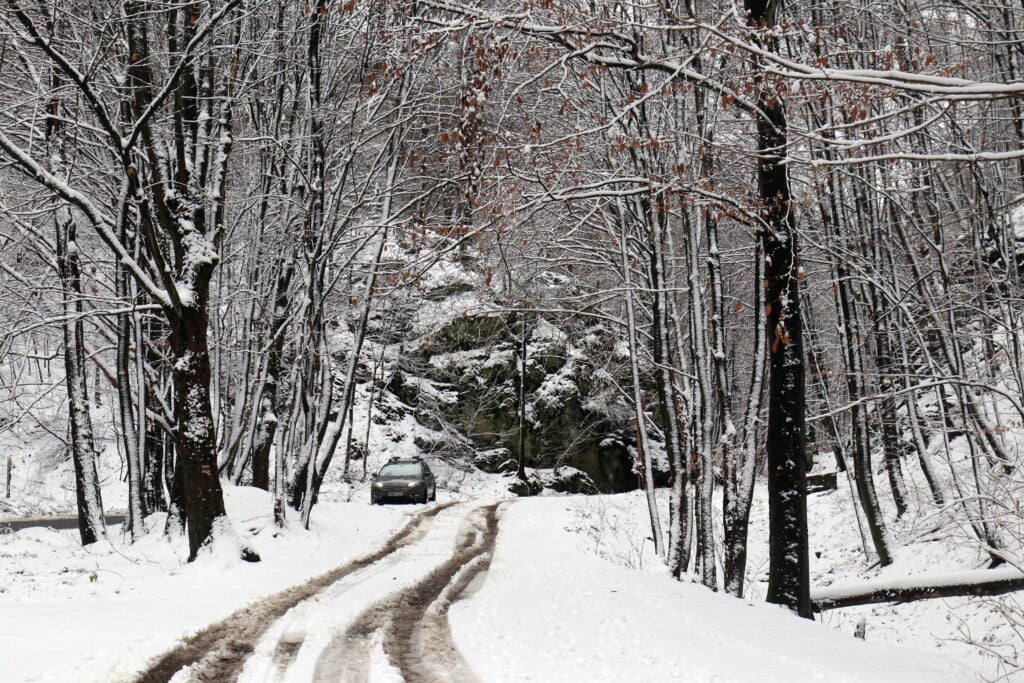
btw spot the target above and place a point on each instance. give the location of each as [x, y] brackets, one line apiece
[111, 606]
[548, 610]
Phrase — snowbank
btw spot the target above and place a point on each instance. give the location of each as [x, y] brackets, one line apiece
[549, 610]
[69, 613]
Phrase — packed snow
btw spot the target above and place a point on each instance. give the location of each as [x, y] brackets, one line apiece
[568, 597]
[113, 606]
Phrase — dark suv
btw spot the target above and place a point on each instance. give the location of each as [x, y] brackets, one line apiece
[403, 479]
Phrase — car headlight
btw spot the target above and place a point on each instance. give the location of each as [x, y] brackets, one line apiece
[413, 484]
[378, 485]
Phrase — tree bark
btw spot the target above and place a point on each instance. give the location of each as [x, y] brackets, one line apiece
[860, 444]
[789, 569]
[740, 489]
[522, 355]
[91, 523]
[135, 522]
[195, 443]
[269, 397]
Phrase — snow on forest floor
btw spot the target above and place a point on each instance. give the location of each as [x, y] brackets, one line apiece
[549, 609]
[113, 606]
[546, 609]
[552, 607]
[967, 630]
[43, 475]
[981, 632]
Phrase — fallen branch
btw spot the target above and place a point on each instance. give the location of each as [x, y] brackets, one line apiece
[979, 582]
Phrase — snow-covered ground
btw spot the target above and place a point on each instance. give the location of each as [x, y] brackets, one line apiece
[99, 613]
[557, 603]
[574, 589]
[550, 610]
[983, 633]
[979, 633]
[42, 474]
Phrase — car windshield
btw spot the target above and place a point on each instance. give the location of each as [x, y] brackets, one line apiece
[400, 470]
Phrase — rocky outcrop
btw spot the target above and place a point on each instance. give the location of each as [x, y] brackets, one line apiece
[466, 379]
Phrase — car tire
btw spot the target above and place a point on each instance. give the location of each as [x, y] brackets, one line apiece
[433, 495]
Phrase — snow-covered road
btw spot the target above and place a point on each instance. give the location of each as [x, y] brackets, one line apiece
[343, 633]
[7, 525]
[459, 591]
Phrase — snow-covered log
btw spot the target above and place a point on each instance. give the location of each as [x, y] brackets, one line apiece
[979, 582]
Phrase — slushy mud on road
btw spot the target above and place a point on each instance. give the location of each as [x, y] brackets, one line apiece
[218, 652]
[412, 624]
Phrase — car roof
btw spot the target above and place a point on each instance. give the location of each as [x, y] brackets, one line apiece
[406, 461]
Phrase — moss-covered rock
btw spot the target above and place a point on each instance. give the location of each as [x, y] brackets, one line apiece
[495, 461]
[530, 487]
[571, 480]
[475, 359]
[467, 333]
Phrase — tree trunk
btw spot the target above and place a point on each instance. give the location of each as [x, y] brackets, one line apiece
[91, 523]
[269, 397]
[740, 490]
[643, 445]
[789, 570]
[703, 410]
[860, 445]
[157, 453]
[126, 406]
[196, 445]
[325, 446]
[668, 399]
[521, 359]
[887, 416]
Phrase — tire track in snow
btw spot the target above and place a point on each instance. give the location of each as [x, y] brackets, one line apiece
[217, 653]
[285, 653]
[289, 649]
[413, 622]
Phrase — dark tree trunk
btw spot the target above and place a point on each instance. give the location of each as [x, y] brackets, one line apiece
[668, 407]
[195, 443]
[891, 451]
[158, 456]
[788, 572]
[91, 523]
[269, 397]
[860, 443]
[153, 470]
[818, 372]
[521, 353]
[135, 522]
[738, 492]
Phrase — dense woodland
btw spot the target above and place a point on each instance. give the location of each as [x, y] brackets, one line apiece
[802, 221]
